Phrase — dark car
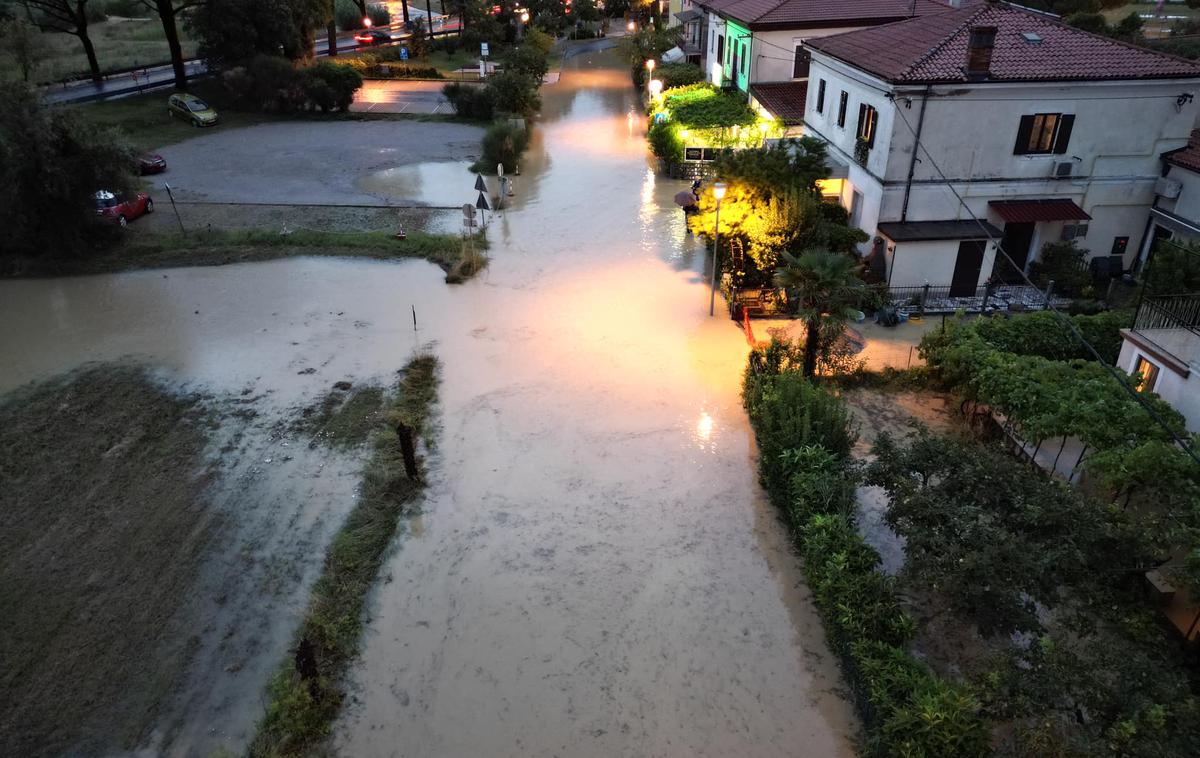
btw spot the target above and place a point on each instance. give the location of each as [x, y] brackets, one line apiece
[373, 37]
[151, 164]
[124, 209]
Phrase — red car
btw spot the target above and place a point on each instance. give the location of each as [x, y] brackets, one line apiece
[122, 209]
[151, 164]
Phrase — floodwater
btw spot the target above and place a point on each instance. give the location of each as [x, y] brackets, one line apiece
[595, 570]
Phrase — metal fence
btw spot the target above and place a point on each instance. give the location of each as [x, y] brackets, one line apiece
[1002, 297]
[1169, 312]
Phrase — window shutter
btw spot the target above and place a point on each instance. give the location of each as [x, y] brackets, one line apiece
[874, 126]
[821, 97]
[1024, 131]
[1065, 123]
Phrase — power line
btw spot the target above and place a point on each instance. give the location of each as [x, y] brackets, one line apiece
[1137, 396]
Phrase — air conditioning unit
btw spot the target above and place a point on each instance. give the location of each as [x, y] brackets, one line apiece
[1063, 169]
[1168, 188]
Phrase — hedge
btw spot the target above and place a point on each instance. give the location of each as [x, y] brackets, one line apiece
[805, 436]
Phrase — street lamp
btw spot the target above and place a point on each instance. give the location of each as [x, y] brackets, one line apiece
[632, 27]
[718, 193]
[650, 76]
[366, 22]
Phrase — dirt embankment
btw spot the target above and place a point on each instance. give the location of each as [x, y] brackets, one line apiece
[105, 519]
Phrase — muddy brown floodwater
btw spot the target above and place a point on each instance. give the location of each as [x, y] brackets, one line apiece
[595, 571]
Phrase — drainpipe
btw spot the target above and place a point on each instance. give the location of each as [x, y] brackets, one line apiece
[912, 164]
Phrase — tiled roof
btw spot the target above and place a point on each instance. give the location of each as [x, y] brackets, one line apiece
[1186, 157]
[933, 49]
[1032, 211]
[784, 99]
[802, 14]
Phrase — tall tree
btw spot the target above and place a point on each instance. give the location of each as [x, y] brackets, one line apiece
[19, 38]
[824, 288]
[168, 12]
[67, 17]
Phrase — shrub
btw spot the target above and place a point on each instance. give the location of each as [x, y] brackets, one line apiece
[528, 61]
[665, 142]
[539, 40]
[418, 42]
[126, 9]
[1065, 264]
[678, 74]
[330, 86]
[704, 106]
[470, 101]
[348, 17]
[514, 93]
[502, 143]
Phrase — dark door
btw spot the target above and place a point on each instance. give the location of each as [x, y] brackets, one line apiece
[966, 268]
[1017, 238]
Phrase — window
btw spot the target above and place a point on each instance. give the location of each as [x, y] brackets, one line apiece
[720, 49]
[1074, 231]
[867, 118]
[1044, 134]
[742, 58]
[842, 108]
[1145, 375]
[821, 96]
[800, 63]
[1119, 245]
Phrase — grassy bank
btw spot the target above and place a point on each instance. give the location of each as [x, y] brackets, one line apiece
[217, 247]
[300, 712]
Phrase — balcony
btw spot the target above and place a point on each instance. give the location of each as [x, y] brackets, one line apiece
[1170, 326]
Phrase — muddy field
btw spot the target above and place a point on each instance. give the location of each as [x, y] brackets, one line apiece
[145, 587]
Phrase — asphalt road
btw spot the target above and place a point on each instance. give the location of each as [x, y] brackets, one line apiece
[129, 83]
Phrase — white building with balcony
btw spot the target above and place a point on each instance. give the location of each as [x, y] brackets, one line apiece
[993, 125]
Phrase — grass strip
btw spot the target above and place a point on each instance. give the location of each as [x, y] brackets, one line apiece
[300, 712]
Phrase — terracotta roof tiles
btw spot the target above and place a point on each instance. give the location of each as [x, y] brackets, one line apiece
[1029, 47]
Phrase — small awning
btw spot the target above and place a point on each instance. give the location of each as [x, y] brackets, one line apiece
[1032, 211]
[785, 100]
[912, 231]
[674, 55]
[689, 15]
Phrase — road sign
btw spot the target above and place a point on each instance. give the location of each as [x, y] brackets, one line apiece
[481, 203]
[480, 184]
[483, 49]
[403, 53]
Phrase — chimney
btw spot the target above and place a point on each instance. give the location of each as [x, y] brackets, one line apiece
[979, 52]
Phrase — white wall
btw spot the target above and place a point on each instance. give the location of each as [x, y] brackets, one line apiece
[912, 264]
[1188, 202]
[774, 52]
[716, 28]
[1182, 393]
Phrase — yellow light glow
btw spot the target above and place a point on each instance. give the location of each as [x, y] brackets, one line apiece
[704, 427]
[831, 186]
[719, 190]
[684, 133]
[764, 126]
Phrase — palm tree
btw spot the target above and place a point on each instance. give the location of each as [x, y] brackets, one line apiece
[825, 290]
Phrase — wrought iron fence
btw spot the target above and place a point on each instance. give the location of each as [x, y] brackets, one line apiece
[1169, 312]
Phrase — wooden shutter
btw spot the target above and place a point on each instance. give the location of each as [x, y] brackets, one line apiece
[1024, 132]
[1065, 123]
[821, 97]
[873, 126]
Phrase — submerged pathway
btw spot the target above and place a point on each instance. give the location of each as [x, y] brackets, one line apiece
[596, 572]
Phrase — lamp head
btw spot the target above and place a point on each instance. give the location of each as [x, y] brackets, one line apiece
[719, 190]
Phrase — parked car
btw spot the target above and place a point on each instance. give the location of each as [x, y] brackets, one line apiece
[192, 108]
[151, 164]
[122, 210]
[373, 37]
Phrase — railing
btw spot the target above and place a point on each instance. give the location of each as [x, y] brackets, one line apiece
[938, 299]
[1169, 312]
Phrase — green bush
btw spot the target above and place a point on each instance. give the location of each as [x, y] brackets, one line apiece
[348, 18]
[678, 74]
[502, 143]
[273, 84]
[665, 142]
[470, 101]
[526, 60]
[330, 86]
[703, 106]
[515, 93]
[1065, 264]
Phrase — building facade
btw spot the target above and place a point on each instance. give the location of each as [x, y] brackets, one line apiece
[976, 135]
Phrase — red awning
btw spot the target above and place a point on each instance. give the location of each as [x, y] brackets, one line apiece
[1026, 211]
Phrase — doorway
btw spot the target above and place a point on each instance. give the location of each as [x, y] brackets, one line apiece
[1017, 239]
[967, 267]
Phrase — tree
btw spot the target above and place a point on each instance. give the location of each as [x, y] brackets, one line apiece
[67, 17]
[51, 165]
[1089, 22]
[168, 12]
[20, 41]
[825, 289]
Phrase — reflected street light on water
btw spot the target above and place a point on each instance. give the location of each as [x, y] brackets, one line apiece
[718, 193]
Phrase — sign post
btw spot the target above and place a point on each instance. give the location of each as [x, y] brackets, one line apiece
[174, 207]
[483, 55]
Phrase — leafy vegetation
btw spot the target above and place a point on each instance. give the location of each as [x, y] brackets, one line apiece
[1065, 264]
[305, 696]
[823, 289]
[51, 164]
[678, 74]
[275, 85]
[805, 436]
[503, 143]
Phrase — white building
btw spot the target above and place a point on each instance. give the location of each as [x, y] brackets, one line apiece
[1030, 131]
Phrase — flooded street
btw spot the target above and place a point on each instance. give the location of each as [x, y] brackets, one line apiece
[595, 571]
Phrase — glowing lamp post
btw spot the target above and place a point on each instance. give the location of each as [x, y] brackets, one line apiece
[650, 75]
[366, 22]
[718, 193]
[524, 19]
[632, 27]
[655, 86]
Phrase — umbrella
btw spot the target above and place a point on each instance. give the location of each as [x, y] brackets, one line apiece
[685, 199]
